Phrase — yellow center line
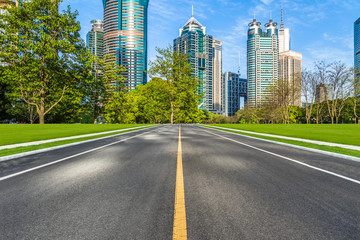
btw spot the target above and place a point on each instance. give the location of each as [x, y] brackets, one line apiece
[179, 230]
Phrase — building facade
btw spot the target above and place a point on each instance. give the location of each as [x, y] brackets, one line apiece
[357, 44]
[95, 38]
[194, 42]
[234, 88]
[125, 37]
[290, 68]
[284, 35]
[217, 75]
[262, 61]
[324, 92]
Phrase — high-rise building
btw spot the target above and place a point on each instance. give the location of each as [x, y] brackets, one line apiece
[234, 88]
[217, 75]
[95, 38]
[125, 37]
[357, 44]
[324, 92]
[4, 4]
[284, 35]
[290, 65]
[262, 61]
[194, 42]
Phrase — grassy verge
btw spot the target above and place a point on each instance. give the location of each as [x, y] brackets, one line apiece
[20, 133]
[339, 150]
[337, 133]
[7, 152]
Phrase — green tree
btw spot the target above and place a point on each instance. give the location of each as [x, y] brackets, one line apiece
[183, 91]
[43, 53]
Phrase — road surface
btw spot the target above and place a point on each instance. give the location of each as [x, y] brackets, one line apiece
[227, 186]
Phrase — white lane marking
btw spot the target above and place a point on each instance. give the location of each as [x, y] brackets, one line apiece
[289, 159]
[67, 158]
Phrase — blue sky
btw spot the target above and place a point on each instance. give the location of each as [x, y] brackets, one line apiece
[319, 29]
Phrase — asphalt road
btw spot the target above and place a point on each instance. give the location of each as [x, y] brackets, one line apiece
[124, 188]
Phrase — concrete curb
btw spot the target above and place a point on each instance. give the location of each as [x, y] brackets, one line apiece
[24, 154]
[347, 157]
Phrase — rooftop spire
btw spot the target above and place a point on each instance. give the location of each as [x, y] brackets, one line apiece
[192, 12]
[282, 25]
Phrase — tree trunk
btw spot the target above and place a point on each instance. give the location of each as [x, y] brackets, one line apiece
[172, 113]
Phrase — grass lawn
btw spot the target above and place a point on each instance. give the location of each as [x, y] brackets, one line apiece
[20, 133]
[341, 133]
[11, 151]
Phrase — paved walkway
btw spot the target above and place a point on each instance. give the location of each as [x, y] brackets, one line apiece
[62, 139]
[352, 147]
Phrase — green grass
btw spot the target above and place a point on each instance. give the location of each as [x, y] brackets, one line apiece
[20, 133]
[7, 152]
[340, 133]
[339, 150]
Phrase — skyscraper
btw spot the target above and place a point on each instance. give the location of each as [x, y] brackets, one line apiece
[95, 38]
[194, 41]
[357, 44]
[125, 37]
[217, 75]
[4, 4]
[234, 88]
[284, 35]
[262, 61]
[290, 64]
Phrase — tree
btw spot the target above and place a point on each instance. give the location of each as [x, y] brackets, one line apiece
[338, 80]
[183, 92]
[104, 78]
[43, 53]
[309, 92]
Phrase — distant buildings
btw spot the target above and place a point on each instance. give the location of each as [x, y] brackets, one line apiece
[234, 88]
[4, 4]
[125, 37]
[194, 41]
[262, 61]
[95, 38]
[217, 75]
[324, 92]
[290, 65]
[357, 43]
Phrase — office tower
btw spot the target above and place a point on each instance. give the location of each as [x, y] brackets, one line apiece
[95, 38]
[194, 41]
[234, 88]
[217, 75]
[284, 35]
[324, 92]
[125, 37]
[290, 65]
[5, 4]
[357, 44]
[262, 61]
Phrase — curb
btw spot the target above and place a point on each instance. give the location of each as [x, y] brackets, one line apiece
[343, 156]
[24, 154]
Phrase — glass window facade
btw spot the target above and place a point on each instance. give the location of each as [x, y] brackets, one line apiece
[357, 43]
[125, 37]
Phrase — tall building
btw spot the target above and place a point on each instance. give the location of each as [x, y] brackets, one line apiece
[290, 65]
[357, 44]
[234, 88]
[324, 92]
[284, 35]
[4, 4]
[95, 38]
[125, 37]
[194, 41]
[217, 75]
[262, 61]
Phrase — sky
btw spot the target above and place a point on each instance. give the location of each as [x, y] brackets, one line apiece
[319, 29]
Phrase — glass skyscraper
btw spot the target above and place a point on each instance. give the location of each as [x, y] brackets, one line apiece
[262, 61]
[125, 37]
[234, 88]
[194, 42]
[357, 43]
[95, 38]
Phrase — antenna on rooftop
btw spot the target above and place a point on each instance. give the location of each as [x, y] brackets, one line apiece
[239, 65]
[192, 11]
[270, 14]
[282, 16]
